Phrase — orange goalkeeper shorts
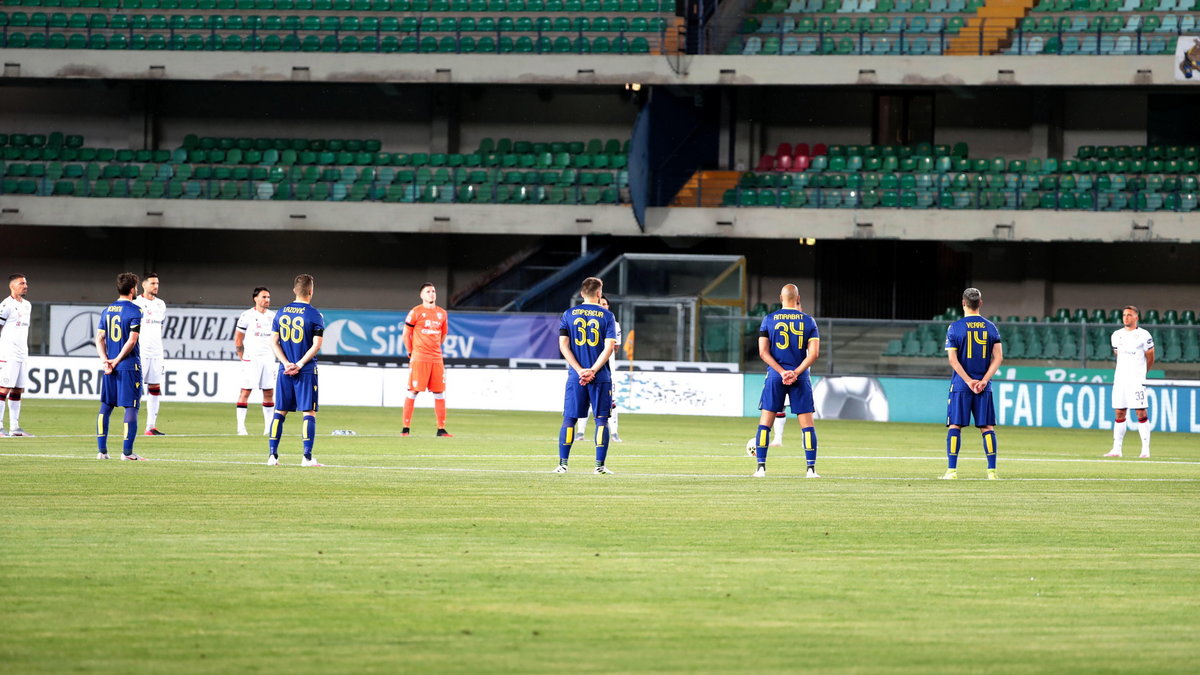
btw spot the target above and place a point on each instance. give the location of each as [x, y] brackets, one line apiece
[426, 375]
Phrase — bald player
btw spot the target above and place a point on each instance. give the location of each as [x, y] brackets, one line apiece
[789, 344]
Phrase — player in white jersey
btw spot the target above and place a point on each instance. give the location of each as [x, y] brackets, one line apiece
[612, 363]
[15, 312]
[1134, 348]
[154, 311]
[252, 339]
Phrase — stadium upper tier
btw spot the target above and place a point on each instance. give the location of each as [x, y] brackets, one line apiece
[1108, 178]
[388, 26]
[502, 171]
[963, 27]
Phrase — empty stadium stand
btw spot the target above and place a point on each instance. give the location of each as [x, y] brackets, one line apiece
[501, 171]
[926, 176]
[342, 26]
[962, 27]
[1067, 335]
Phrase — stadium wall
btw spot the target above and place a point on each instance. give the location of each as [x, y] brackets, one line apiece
[592, 69]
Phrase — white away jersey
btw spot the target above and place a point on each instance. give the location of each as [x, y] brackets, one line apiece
[153, 312]
[14, 335]
[1131, 347]
[257, 327]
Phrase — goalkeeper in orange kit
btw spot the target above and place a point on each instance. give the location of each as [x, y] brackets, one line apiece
[425, 329]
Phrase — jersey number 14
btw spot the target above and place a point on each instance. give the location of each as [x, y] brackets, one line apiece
[977, 337]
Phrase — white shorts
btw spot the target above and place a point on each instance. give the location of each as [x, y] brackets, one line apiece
[259, 374]
[14, 374]
[1128, 396]
[153, 370]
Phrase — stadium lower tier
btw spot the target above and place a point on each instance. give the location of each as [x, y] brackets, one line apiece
[1043, 342]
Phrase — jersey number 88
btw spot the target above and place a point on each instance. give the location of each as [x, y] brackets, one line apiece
[291, 329]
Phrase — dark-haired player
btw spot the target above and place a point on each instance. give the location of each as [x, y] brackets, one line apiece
[117, 337]
[975, 354]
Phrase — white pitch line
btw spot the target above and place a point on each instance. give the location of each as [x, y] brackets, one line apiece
[586, 472]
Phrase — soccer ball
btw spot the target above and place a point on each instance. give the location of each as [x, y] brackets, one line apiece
[752, 447]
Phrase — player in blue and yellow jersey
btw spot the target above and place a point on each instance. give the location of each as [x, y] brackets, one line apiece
[974, 350]
[117, 344]
[587, 335]
[789, 344]
[296, 337]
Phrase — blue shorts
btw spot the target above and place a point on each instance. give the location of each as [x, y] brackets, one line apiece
[296, 392]
[961, 405]
[121, 388]
[799, 393]
[578, 398]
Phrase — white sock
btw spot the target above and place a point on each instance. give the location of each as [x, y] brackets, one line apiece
[241, 417]
[152, 411]
[1143, 431]
[581, 428]
[777, 433]
[268, 415]
[612, 423]
[14, 416]
[1118, 435]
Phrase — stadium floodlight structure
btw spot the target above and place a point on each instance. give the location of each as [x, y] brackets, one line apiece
[680, 307]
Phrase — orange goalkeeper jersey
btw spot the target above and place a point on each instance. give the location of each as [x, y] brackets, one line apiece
[424, 331]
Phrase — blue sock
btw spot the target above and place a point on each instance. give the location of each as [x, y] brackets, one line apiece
[762, 438]
[810, 445]
[989, 448]
[566, 436]
[276, 433]
[953, 437]
[102, 427]
[601, 440]
[308, 434]
[130, 429]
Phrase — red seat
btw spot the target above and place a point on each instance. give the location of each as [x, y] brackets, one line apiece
[820, 149]
[783, 163]
[766, 163]
[801, 149]
[784, 150]
[800, 163]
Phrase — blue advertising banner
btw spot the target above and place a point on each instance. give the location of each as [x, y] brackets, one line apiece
[471, 336]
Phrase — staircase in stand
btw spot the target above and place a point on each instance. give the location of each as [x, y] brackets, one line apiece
[709, 185]
[990, 28]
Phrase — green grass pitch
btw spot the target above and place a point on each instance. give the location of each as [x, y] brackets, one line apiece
[466, 555]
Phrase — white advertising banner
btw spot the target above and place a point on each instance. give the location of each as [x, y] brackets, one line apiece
[534, 389]
[188, 332]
